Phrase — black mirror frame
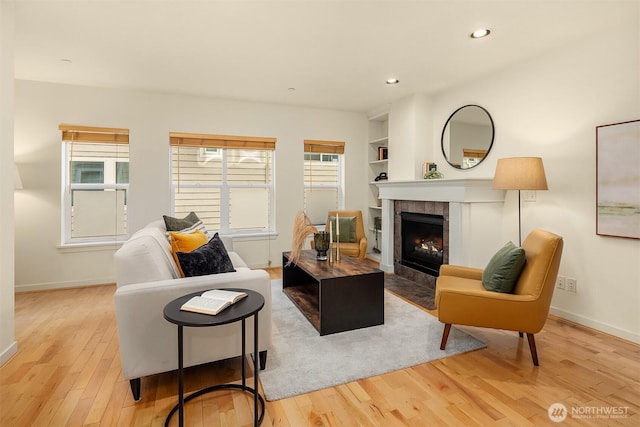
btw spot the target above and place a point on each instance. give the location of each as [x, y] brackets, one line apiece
[493, 136]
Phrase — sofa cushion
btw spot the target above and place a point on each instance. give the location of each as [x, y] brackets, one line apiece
[347, 228]
[185, 242]
[177, 224]
[504, 268]
[210, 258]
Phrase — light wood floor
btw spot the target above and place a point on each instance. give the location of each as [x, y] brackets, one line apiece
[67, 372]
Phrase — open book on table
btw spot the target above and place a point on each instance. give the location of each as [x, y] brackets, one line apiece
[213, 301]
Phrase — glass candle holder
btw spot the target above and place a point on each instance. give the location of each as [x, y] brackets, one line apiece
[321, 242]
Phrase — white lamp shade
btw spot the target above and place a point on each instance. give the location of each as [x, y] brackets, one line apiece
[520, 173]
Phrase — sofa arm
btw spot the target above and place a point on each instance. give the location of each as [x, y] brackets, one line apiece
[148, 341]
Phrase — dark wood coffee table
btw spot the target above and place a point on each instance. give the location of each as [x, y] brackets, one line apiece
[334, 297]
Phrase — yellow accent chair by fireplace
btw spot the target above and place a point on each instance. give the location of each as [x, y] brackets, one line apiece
[354, 245]
[462, 299]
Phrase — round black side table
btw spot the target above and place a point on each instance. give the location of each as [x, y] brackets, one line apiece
[246, 307]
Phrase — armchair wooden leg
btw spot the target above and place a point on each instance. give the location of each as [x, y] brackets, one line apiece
[532, 347]
[445, 336]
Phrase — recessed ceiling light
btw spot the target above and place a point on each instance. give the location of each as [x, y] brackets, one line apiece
[393, 81]
[478, 34]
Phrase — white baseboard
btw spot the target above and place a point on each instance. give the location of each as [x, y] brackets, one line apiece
[8, 353]
[386, 268]
[594, 324]
[63, 285]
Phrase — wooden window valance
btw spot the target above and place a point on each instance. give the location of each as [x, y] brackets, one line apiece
[474, 153]
[329, 147]
[221, 141]
[77, 133]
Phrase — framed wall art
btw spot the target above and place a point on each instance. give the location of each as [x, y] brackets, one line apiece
[618, 179]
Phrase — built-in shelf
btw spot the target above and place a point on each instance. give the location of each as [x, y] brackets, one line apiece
[375, 256]
[383, 140]
[378, 138]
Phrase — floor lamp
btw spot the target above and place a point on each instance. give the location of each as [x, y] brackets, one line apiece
[520, 173]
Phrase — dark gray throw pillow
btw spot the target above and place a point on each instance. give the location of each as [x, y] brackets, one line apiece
[177, 224]
[210, 258]
[504, 268]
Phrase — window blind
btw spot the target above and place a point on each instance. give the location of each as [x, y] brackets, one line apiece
[221, 141]
[96, 165]
[77, 133]
[329, 147]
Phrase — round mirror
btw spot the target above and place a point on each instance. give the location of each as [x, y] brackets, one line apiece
[467, 136]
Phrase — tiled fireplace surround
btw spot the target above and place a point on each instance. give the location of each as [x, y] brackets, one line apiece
[433, 208]
[454, 199]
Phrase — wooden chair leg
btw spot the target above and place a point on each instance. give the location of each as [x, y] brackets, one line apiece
[520, 334]
[445, 335]
[532, 347]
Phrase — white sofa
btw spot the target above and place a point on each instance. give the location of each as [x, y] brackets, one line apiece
[147, 279]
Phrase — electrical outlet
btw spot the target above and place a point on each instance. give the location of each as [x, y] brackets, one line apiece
[572, 285]
[561, 282]
[530, 196]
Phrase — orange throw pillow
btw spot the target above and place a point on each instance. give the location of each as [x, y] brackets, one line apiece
[186, 242]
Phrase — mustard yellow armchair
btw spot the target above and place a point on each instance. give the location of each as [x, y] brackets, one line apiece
[357, 248]
[461, 298]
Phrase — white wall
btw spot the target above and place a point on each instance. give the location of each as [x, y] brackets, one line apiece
[41, 107]
[549, 107]
[409, 133]
[8, 345]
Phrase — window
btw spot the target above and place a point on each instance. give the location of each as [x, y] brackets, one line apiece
[322, 178]
[226, 180]
[95, 173]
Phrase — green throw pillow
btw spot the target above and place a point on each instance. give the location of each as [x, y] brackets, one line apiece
[177, 224]
[347, 228]
[502, 272]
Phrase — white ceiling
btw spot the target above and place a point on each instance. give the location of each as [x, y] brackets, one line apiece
[336, 54]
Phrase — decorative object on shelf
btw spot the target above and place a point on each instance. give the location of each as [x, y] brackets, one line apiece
[381, 176]
[427, 166]
[302, 227]
[431, 171]
[618, 180]
[520, 173]
[321, 242]
[467, 137]
[383, 153]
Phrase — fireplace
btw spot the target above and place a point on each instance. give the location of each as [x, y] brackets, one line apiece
[422, 242]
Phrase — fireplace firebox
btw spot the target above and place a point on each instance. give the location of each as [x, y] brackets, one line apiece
[422, 242]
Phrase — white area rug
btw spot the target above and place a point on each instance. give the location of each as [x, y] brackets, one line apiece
[301, 361]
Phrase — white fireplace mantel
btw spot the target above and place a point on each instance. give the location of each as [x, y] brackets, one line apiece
[442, 190]
[461, 194]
